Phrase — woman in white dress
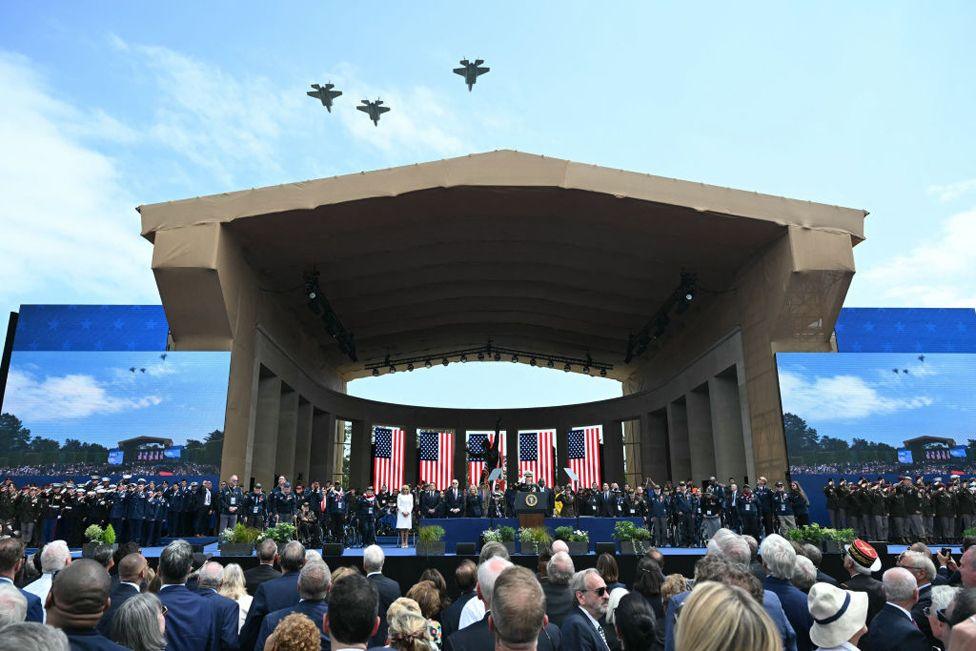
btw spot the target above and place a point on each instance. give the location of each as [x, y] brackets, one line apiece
[404, 514]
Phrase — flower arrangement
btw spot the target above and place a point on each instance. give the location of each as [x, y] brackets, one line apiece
[239, 535]
[96, 534]
[535, 538]
[280, 533]
[502, 535]
[570, 535]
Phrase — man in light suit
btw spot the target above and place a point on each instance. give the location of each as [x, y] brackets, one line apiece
[225, 611]
[314, 582]
[387, 589]
[132, 574]
[893, 627]
[274, 594]
[581, 629]
[190, 622]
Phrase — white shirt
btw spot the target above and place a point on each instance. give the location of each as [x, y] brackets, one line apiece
[473, 611]
[41, 587]
[244, 605]
[844, 646]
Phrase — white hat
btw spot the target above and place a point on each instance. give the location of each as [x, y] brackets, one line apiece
[837, 614]
[616, 595]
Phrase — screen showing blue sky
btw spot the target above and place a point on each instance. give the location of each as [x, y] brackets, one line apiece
[105, 397]
[881, 397]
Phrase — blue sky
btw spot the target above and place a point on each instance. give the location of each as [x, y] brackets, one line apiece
[858, 394]
[94, 397]
[107, 106]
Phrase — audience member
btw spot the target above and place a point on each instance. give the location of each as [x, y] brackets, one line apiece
[636, 623]
[78, 598]
[225, 611]
[104, 555]
[860, 560]
[804, 574]
[294, 633]
[474, 610]
[718, 617]
[517, 619]
[648, 584]
[967, 568]
[674, 584]
[13, 605]
[386, 588]
[839, 617]
[920, 565]
[267, 553]
[409, 631]
[607, 566]
[344, 571]
[558, 546]
[426, 595]
[434, 576]
[894, 627]
[942, 596]
[274, 594]
[190, 623]
[140, 624]
[559, 598]
[232, 586]
[33, 636]
[54, 557]
[962, 608]
[581, 629]
[11, 561]
[314, 582]
[755, 565]
[132, 575]
[466, 578]
[477, 635]
[816, 556]
[351, 619]
[779, 560]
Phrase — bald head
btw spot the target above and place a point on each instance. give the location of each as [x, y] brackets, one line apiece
[132, 568]
[81, 589]
[559, 546]
[211, 575]
[900, 587]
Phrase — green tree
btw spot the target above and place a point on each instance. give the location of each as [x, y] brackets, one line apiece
[14, 437]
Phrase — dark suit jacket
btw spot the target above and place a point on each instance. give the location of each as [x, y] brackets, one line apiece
[478, 637]
[560, 601]
[823, 577]
[892, 629]
[190, 623]
[578, 633]
[118, 596]
[255, 576]
[389, 591]
[918, 614]
[314, 610]
[876, 596]
[270, 596]
[88, 639]
[795, 606]
[227, 613]
[451, 617]
[35, 609]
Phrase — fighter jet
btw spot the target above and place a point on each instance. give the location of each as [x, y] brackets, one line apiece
[373, 109]
[471, 71]
[324, 94]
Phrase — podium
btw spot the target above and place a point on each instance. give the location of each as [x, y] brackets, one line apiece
[531, 509]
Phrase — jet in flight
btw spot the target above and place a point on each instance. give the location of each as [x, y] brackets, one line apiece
[373, 109]
[471, 71]
[324, 94]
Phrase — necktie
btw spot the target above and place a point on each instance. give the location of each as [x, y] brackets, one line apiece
[603, 636]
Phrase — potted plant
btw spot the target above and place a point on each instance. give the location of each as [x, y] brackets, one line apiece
[430, 540]
[830, 541]
[504, 535]
[96, 537]
[238, 541]
[534, 539]
[633, 539]
[281, 533]
[834, 541]
[577, 540]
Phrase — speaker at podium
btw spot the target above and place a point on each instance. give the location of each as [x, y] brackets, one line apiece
[530, 509]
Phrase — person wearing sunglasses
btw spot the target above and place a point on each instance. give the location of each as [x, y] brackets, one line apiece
[582, 628]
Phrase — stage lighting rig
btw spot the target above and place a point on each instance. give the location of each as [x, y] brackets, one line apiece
[678, 303]
[318, 304]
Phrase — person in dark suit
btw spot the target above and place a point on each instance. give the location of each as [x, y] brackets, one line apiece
[581, 628]
[860, 560]
[779, 561]
[190, 623]
[314, 582]
[267, 553]
[893, 627]
[78, 598]
[132, 574]
[454, 501]
[226, 611]
[387, 589]
[466, 577]
[274, 594]
[606, 502]
[923, 569]
[431, 505]
[351, 619]
[560, 600]
[11, 561]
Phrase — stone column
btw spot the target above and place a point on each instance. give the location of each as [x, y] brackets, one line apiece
[360, 454]
[265, 444]
[322, 444]
[613, 452]
[655, 457]
[726, 413]
[409, 454]
[303, 441]
[511, 456]
[460, 456]
[287, 429]
[678, 440]
[562, 452]
[700, 436]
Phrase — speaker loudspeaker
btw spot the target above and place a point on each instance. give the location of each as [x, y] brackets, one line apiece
[606, 548]
[332, 549]
[465, 549]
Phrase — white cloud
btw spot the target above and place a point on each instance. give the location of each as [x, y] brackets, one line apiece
[65, 397]
[938, 272]
[952, 191]
[840, 397]
[68, 227]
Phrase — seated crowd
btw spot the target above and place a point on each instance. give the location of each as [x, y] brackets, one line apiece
[764, 597]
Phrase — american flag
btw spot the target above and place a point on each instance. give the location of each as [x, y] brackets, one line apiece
[536, 455]
[388, 458]
[583, 452]
[476, 460]
[437, 458]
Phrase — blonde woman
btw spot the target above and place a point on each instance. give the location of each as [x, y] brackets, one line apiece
[717, 617]
[409, 632]
[404, 514]
[232, 587]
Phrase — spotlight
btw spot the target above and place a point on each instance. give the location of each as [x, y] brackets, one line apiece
[410, 366]
[690, 295]
[427, 363]
[603, 372]
[481, 356]
[549, 363]
[444, 361]
[514, 359]
[464, 358]
[376, 372]
[567, 368]
[392, 368]
[532, 362]
[498, 357]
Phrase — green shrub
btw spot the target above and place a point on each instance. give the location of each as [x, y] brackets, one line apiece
[239, 535]
[507, 534]
[109, 536]
[538, 538]
[280, 533]
[94, 533]
[563, 533]
[431, 533]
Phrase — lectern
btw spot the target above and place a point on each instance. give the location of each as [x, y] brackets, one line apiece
[531, 509]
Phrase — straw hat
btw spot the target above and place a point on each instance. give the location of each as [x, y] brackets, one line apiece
[837, 614]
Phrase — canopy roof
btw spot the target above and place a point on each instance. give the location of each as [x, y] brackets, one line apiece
[535, 253]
